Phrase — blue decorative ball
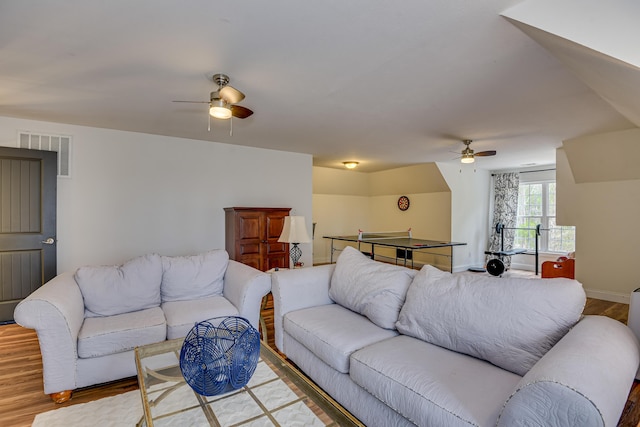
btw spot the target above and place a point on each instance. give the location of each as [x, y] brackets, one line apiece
[219, 359]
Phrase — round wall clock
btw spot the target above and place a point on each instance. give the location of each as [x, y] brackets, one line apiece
[403, 203]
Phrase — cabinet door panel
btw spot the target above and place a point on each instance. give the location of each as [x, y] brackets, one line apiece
[251, 261]
[249, 226]
[280, 261]
[275, 247]
[249, 248]
[275, 224]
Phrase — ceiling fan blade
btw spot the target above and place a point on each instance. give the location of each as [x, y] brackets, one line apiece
[240, 112]
[486, 153]
[231, 94]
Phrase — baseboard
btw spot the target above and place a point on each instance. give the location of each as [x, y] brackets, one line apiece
[321, 261]
[608, 296]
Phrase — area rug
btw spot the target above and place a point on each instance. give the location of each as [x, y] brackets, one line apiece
[116, 411]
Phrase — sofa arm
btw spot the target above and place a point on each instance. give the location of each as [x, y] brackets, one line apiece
[245, 287]
[56, 312]
[297, 289]
[584, 380]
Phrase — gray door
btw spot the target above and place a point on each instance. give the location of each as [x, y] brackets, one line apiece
[27, 224]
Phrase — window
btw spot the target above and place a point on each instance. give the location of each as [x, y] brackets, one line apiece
[537, 205]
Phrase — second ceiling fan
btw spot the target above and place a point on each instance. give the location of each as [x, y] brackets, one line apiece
[468, 155]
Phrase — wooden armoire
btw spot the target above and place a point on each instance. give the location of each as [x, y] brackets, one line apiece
[251, 236]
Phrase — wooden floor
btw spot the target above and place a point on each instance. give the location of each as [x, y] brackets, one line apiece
[21, 395]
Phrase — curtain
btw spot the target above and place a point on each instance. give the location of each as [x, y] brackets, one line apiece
[505, 211]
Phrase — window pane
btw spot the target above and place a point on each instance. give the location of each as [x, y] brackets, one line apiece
[526, 236]
[530, 199]
[531, 213]
[551, 199]
[561, 239]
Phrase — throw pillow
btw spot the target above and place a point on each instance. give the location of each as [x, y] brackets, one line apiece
[509, 322]
[369, 287]
[193, 277]
[118, 289]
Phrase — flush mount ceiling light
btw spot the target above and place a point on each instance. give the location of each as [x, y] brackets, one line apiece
[350, 165]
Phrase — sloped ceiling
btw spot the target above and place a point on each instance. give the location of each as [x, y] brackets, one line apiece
[604, 157]
[386, 84]
[598, 42]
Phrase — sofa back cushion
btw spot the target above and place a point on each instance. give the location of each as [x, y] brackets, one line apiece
[193, 277]
[368, 287]
[509, 322]
[118, 289]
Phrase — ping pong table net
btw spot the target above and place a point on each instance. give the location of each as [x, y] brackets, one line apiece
[369, 235]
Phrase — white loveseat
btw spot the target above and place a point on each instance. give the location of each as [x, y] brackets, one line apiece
[89, 321]
[398, 347]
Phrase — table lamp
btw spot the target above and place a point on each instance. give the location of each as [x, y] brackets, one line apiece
[294, 232]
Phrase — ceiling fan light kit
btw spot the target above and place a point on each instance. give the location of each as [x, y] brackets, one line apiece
[468, 155]
[219, 109]
[467, 158]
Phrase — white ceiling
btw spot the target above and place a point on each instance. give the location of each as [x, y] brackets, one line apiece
[386, 83]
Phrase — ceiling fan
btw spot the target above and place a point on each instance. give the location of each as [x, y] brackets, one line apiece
[223, 101]
[468, 156]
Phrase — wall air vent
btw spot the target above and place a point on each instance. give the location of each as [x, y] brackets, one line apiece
[61, 144]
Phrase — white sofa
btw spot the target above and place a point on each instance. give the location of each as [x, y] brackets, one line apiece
[398, 347]
[89, 322]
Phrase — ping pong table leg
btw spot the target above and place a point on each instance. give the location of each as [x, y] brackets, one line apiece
[451, 259]
[331, 260]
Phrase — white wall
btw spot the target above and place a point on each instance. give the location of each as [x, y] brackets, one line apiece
[133, 193]
[470, 189]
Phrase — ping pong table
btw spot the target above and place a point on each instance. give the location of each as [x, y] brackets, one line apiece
[404, 243]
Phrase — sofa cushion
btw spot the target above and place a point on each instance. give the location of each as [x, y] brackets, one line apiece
[430, 385]
[193, 277]
[509, 322]
[117, 289]
[100, 336]
[182, 315]
[333, 332]
[371, 288]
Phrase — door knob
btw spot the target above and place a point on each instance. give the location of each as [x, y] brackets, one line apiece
[49, 241]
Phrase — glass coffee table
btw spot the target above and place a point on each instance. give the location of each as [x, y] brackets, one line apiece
[277, 395]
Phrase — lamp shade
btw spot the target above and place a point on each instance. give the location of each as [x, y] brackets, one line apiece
[294, 230]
